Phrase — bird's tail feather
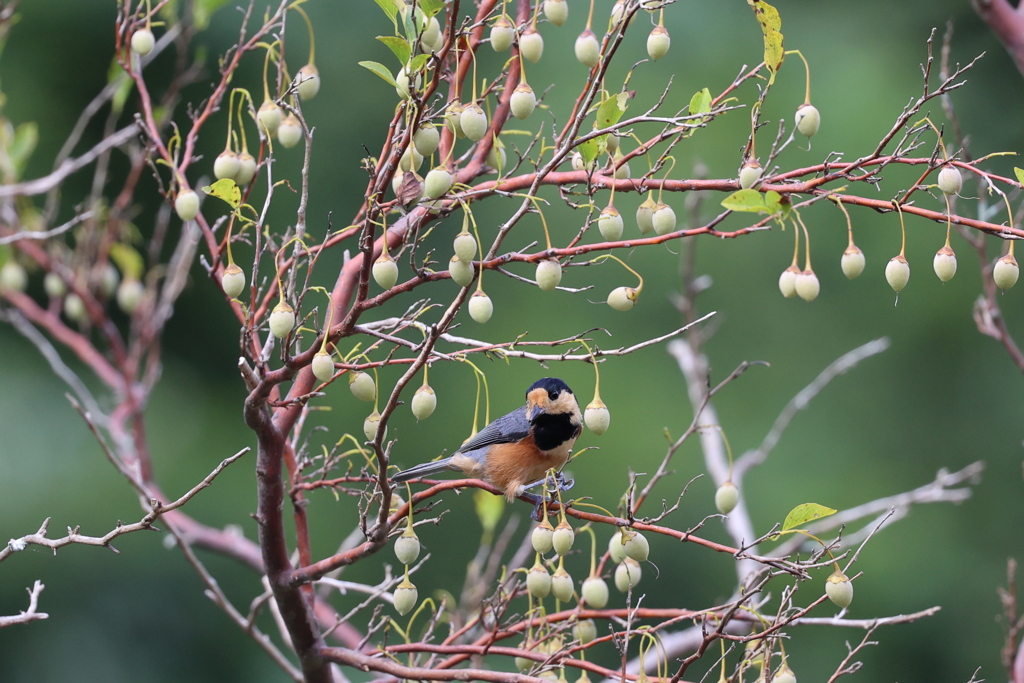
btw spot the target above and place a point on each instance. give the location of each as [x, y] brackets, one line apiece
[424, 469]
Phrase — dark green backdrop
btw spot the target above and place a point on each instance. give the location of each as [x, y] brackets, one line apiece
[942, 396]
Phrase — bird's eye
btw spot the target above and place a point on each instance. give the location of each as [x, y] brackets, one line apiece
[553, 395]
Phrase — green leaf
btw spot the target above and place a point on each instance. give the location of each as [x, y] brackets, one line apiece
[26, 137]
[418, 62]
[400, 46]
[589, 150]
[380, 70]
[1019, 172]
[431, 7]
[611, 110]
[128, 261]
[489, 509]
[225, 189]
[390, 8]
[745, 200]
[773, 201]
[700, 103]
[807, 512]
[202, 10]
[771, 26]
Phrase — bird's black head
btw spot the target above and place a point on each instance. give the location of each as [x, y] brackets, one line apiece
[551, 396]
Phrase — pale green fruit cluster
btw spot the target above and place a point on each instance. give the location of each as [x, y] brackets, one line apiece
[424, 401]
[663, 219]
[562, 538]
[852, 261]
[385, 271]
[594, 592]
[538, 581]
[658, 43]
[481, 308]
[807, 285]
[523, 101]
[323, 366]
[531, 44]
[289, 132]
[787, 282]
[282, 320]
[307, 82]
[897, 273]
[542, 537]
[944, 263]
[588, 50]
[405, 597]
[609, 222]
[502, 34]
[13, 277]
[362, 386]
[407, 546]
[269, 117]
[562, 586]
[750, 174]
[627, 575]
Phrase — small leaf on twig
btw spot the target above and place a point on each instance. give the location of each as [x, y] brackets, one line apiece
[805, 512]
[380, 70]
[400, 46]
[771, 26]
[227, 190]
[745, 200]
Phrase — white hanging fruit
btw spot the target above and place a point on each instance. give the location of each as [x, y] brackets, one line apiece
[481, 308]
[143, 41]
[289, 133]
[226, 165]
[944, 263]
[597, 417]
[502, 34]
[658, 43]
[556, 11]
[437, 183]
[839, 589]
[232, 280]
[562, 585]
[385, 271]
[269, 117]
[282, 320]
[465, 247]
[750, 174]
[407, 546]
[246, 169]
[1005, 272]
[623, 298]
[807, 119]
[405, 597]
[531, 44]
[852, 261]
[787, 282]
[13, 277]
[186, 204]
[562, 538]
[307, 82]
[585, 631]
[549, 274]
[453, 118]
[663, 219]
[609, 222]
[807, 285]
[594, 592]
[635, 545]
[627, 575]
[897, 272]
[644, 214]
[424, 401]
[523, 101]
[129, 295]
[588, 50]
[370, 426]
[727, 497]
[950, 180]
[362, 386]
[615, 549]
[541, 538]
[426, 139]
[538, 581]
[473, 121]
[323, 366]
[461, 272]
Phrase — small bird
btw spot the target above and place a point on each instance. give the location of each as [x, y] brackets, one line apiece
[520, 447]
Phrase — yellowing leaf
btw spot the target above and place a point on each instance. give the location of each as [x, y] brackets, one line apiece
[489, 509]
[128, 260]
[589, 151]
[771, 26]
[225, 189]
[745, 200]
[700, 103]
[611, 110]
[1019, 172]
[806, 512]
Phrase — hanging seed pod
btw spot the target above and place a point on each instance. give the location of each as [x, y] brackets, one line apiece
[129, 295]
[584, 631]
[644, 214]
[897, 272]
[658, 43]
[370, 426]
[542, 536]
[610, 223]
[597, 417]
[143, 42]
[627, 575]
[807, 285]
[496, 156]
[588, 50]
[950, 180]
[523, 101]
[549, 274]
[282, 320]
[307, 82]
[465, 247]
[481, 308]
[635, 545]
[531, 44]
[385, 271]
[269, 117]
[784, 675]
[750, 174]
[562, 538]
[556, 11]
[473, 121]
[944, 263]
[426, 139]
[289, 133]
[787, 282]
[323, 366]
[362, 386]
[186, 204]
[615, 549]
[13, 277]
[727, 497]
[623, 298]
[461, 272]
[807, 119]
[594, 592]
[232, 280]
[453, 119]
[246, 169]
[852, 261]
[407, 546]
[411, 159]
[424, 401]
[663, 219]
[1005, 272]
[226, 165]
[502, 34]
[839, 589]
[437, 183]
[538, 581]
[406, 597]
[562, 585]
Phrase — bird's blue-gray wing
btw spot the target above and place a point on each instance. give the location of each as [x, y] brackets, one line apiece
[508, 428]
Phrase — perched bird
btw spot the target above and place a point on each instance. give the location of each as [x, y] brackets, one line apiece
[518, 448]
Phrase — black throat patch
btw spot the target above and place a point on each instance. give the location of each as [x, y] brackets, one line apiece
[551, 431]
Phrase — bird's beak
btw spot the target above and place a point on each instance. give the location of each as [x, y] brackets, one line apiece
[535, 404]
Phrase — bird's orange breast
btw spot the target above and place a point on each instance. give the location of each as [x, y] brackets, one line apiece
[511, 465]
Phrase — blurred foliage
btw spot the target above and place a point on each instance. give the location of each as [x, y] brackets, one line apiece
[941, 397]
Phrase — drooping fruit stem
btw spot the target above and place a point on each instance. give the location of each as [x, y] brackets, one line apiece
[903, 230]
[796, 247]
[949, 220]
[807, 240]
[231, 118]
[327, 333]
[590, 15]
[241, 121]
[849, 223]
[597, 372]
[312, 38]
[672, 166]
[807, 70]
[640, 287]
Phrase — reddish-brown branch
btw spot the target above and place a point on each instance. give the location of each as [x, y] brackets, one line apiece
[1008, 25]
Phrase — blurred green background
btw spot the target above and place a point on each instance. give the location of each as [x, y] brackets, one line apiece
[942, 397]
